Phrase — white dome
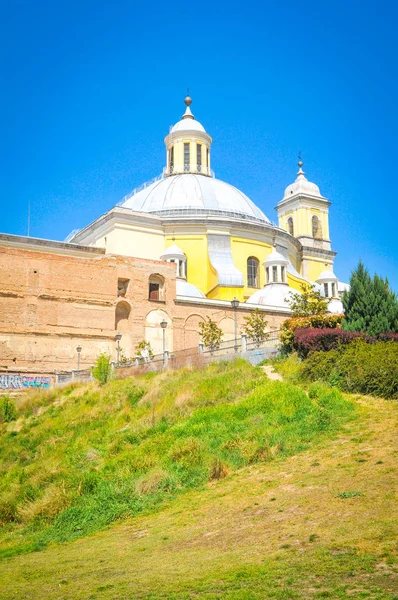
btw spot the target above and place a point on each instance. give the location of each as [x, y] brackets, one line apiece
[188, 125]
[302, 186]
[275, 258]
[188, 289]
[326, 276]
[173, 251]
[273, 294]
[192, 195]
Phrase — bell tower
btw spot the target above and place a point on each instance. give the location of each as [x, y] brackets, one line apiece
[304, 213]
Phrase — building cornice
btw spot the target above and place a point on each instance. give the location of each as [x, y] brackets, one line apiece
[40, 244]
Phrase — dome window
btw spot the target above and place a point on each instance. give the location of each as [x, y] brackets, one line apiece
[326, 290]
[252, 272]
[199, 157]
[267, 274]
[274, 274]
[171, 160]
[290, 226]
[187, 160]
[283, 274]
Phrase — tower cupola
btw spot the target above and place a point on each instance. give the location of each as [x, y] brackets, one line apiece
[188, 146]
[275, 266]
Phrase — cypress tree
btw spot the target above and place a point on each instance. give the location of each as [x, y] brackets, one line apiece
[369, 305]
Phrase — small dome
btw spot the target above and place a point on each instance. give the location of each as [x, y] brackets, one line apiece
[275, 258]
[188, 122]
[188, 289]
[302, 186]
[273, 294]
[326, 276]
[173, 251]
[188, 125]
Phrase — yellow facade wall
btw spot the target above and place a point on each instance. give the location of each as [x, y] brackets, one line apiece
[242, 249]
[198, 265]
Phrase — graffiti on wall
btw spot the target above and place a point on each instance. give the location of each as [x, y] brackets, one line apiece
[20, 382]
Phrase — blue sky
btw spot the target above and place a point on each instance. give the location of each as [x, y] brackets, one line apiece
[90, 89]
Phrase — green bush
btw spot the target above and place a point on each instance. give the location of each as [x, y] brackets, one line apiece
[359, 367]
[7, 410]
[102, 369]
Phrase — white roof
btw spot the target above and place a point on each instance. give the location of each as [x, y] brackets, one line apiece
[194, 195]
[273, 294]
[302, 186]
[188, 123]
[188, 289]
[173, 251]
[325, 276]
[275, 258]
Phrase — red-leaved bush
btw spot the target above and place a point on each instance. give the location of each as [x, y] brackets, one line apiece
[308, 340]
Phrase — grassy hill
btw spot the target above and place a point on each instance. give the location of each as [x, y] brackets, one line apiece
[212, 484]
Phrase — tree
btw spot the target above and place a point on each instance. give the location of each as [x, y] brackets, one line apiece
[102, 370]
[309, 302]
[369, 306]
[144, 350]
[211, 334]
[255, 327]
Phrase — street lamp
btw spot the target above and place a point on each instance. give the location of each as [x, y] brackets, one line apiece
[163, 325]
[235, 304]
[78, 350]
[118, 337]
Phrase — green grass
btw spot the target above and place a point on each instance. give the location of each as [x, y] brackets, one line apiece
[80, 458]
[320, 523]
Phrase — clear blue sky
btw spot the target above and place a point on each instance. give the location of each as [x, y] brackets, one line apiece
[90, 89]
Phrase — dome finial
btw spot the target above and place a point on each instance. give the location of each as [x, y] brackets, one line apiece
[188, 101]
[300, 160]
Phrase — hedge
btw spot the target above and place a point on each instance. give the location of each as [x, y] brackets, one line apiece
[289, 326]
[359, 367]
[310, 340]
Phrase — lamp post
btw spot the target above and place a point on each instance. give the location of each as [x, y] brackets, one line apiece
[235, 304]
[118, 337]
[163, 325]
[78, 350]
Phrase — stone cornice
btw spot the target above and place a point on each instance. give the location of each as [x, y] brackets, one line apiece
[40, 244]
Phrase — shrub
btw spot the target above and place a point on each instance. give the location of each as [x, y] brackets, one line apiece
[102, 369]
[310, 340]
[307, 303]
[358, 367]
[7, 410]
[306, 341]
[255, 327]
[211, 334]
[144, 350]
[289, 326]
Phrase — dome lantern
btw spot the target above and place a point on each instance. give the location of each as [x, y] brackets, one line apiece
[188, 146]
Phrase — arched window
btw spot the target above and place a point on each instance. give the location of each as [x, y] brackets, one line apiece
[290, 226]
[122, 314]
[283, 274]
[156, 287]
[171, 159]
[252, 272]
[316, 228]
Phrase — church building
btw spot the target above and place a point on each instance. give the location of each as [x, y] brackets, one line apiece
[180, 247]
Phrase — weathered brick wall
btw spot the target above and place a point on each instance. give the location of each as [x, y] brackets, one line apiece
[51, 302]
